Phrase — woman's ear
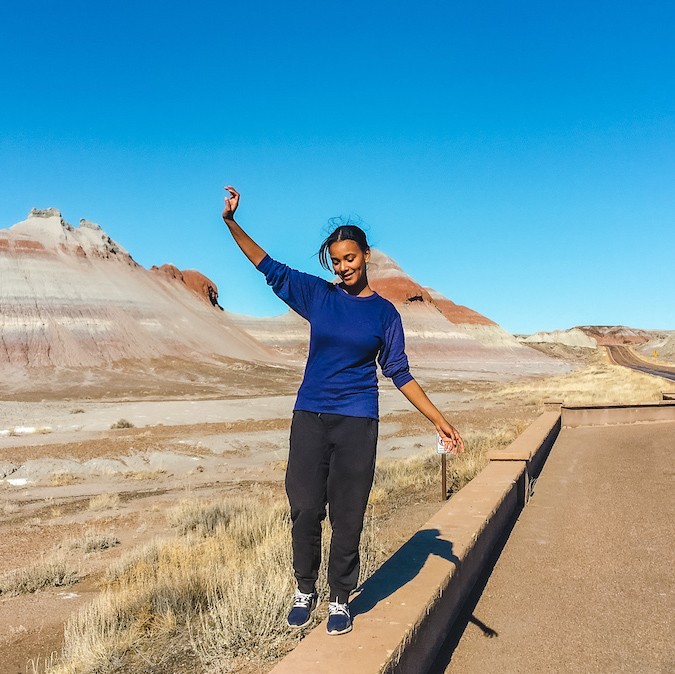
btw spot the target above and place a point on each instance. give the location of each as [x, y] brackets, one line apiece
[366, 256]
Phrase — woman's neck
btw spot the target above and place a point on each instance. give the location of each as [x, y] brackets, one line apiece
[361, 289]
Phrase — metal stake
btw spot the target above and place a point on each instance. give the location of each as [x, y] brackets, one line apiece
[444, 485]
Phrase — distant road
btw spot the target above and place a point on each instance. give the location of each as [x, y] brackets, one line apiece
[622, 355]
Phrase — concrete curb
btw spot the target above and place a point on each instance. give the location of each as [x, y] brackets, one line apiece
[534, 443]
[402, 613]
[607, 415]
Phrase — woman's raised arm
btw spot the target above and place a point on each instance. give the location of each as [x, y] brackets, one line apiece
[248, 246]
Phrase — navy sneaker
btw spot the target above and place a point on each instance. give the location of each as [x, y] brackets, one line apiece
[339, 618]
[303, 605]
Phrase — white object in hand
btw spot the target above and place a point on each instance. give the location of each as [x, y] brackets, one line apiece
[441, 448]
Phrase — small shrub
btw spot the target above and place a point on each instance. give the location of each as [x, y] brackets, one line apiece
[145, 474]
[9, 508]
[204, 517]
[92, 541]
[51, 571]
[122, 423]
[63, 478]
[103, 502]
[78, 410]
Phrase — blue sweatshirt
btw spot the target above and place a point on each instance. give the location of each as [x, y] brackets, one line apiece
[347, 334]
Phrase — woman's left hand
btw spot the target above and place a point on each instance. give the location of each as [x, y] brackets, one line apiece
[450, 437]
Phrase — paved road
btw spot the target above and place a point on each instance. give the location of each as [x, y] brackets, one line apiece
[586, 581]
[622, 355]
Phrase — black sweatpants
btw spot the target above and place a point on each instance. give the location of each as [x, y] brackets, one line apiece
[331, 461]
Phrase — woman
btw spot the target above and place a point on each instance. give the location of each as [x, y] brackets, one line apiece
[334, 428]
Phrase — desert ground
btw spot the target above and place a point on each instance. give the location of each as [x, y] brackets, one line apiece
[68, 475]
[91, 476]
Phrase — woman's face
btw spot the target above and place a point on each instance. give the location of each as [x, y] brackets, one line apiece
[349, 261]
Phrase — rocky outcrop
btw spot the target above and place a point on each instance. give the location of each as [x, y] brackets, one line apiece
[193, 280]
[288, 333]
[664, 345]
[437, 328]
[201, 286]
[608, 335]
[47, 213]
[46, 232]
[73, 297]
[573, 337]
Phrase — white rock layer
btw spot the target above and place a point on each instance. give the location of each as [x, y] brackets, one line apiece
[573, 337]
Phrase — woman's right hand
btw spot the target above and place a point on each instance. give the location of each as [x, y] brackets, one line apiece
[248, 246]
[231, 203]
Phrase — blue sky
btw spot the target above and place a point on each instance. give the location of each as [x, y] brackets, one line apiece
[518, 157]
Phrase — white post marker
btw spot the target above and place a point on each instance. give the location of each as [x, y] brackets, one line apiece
[440, 446]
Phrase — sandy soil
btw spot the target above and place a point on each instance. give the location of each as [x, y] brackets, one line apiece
[203, 446]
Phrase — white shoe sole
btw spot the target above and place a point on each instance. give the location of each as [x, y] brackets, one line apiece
[297, 627]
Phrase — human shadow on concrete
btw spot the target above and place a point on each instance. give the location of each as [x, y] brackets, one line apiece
[466, 615]
[487, 631]
[401, 568]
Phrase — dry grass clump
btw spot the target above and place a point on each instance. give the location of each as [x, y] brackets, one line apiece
[9, 508]
[397, 475]
[602, 383]
[51, 571]
[240, 516]
[247, 618]
[63, 479]
[122, 423]
[93, 541]
[145, 474]
[103, 502]
[227, 582]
